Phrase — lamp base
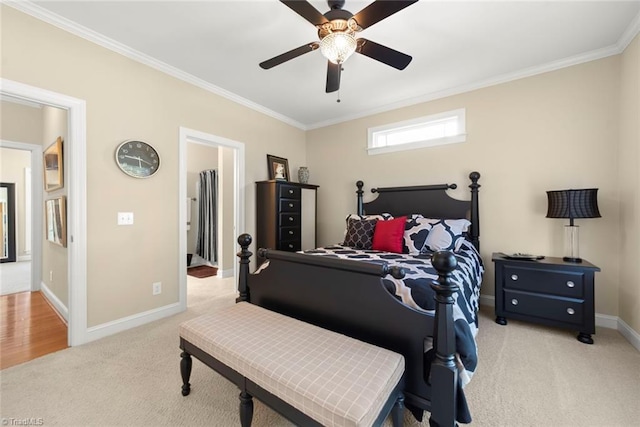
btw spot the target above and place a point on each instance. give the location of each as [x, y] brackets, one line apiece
[570, 259]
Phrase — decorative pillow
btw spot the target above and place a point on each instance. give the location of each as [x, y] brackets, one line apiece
[416, 231]
[389, 234]
[381, 217]
[447, 235]
[360, 233]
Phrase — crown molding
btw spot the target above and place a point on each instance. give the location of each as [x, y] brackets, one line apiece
[630, 33]
[492, 81]
[74, 28]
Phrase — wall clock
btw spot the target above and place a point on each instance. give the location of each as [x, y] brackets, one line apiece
[137, 159]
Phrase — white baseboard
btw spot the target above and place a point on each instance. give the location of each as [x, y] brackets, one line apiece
[115, 326]
[488, 300]
[602, 320]
[55, 302]
[226, 273]
[632, 336]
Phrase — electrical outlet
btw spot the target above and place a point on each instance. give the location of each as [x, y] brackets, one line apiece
[125, 218]
[157, 288]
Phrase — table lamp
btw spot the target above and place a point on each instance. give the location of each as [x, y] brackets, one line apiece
[573, 204]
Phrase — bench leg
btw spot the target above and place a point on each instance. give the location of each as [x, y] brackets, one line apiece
[246, 409]
[185, 371]
[397, 412]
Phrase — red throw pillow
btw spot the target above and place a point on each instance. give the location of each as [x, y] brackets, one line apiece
[389, 234]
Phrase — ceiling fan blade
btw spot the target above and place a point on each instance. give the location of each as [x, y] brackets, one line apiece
[294, 53]
[306, 10]
[383, 54]
[379, 10]
[333, 76]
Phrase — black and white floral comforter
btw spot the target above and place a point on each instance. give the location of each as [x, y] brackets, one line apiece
[415, 290]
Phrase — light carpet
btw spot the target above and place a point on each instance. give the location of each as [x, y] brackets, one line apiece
[527, 376]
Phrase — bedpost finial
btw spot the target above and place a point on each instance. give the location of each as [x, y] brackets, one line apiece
[444, 262]
[244, 240]
[359, 184]
[474, 176]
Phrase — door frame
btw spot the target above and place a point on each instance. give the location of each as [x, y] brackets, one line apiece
[76, 154]
[193, 136]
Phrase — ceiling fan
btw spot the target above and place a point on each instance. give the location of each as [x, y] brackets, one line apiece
[337, 33]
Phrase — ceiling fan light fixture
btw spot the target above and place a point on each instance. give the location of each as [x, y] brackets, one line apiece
[338, 46]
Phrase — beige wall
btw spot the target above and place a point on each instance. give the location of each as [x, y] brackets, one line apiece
[12, 170]
[55, 257]
[629, 182]
[20, 123]
[552, 131]
[128, 100]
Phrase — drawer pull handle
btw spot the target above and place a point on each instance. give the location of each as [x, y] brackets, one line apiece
[571, 285]
[290, 191]
[514, 277]
[290, 205]
[290, 231]
[290, 246]
[514, 301]
[571, 311]
[290, 218]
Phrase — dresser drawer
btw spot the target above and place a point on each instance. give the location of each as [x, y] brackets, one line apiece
[289, 219]
[557, 309]
[290, 205]
[563, 283]
[289, 192]
[289, 233]
[292, 246]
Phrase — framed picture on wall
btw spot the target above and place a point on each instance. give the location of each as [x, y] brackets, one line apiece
[278, 168]
[53, 166]
[56, 221]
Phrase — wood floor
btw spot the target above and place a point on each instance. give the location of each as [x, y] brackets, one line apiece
[29, 328]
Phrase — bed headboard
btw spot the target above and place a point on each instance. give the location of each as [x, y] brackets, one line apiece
[432, 201]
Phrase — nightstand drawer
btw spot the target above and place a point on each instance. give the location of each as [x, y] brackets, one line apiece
[558, 309]
[563, 283]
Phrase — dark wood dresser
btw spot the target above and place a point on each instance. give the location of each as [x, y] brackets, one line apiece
[286, 215]
[548, 291]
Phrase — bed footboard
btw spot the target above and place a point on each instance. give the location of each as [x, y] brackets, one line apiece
[349, 297]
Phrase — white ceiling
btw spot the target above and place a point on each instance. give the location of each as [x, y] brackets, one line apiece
[456, 46]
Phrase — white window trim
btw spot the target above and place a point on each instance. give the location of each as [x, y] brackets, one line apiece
[461, 137]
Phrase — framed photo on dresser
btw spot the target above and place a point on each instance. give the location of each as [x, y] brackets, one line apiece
[278, 168]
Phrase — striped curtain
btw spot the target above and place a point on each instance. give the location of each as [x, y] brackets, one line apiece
[207, 242]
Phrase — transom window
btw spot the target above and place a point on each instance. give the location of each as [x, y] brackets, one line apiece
[436, 129]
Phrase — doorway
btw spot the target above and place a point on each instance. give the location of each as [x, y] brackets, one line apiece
[76, 200]
[235, 152]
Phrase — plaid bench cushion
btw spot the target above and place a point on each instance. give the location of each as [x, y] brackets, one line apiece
[334, 379]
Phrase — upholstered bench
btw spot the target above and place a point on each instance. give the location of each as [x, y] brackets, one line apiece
[310, 375]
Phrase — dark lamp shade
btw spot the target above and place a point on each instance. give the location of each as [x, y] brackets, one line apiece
[573, 203]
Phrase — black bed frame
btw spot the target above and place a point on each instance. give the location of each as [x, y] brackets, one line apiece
[349, 297]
